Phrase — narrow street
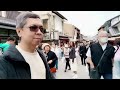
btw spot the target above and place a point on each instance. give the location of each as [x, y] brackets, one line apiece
[82, 71]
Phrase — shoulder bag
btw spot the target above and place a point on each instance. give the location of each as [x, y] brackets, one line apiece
[94, 73]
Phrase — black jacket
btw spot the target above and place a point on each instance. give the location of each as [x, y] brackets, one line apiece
[14, 66]
[52, 56]
[106, 63]
[72, 53]
[82, 50]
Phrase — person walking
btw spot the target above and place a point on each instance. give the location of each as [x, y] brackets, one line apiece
[100, 55]
[66, 55]
[116, 63]
[51, 58]
[73, 60]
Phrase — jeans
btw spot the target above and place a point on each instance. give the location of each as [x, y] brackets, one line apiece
[116, 70]
[106, 75]
[56, 64]
[54, 74]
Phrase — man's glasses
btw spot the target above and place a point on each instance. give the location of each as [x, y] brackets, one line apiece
[35, 28]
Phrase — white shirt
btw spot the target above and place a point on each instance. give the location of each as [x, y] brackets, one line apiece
[66, 52]
[89, 51]
[35, 62]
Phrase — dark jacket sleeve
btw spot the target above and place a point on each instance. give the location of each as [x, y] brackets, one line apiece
[72, 53]
[48, 73]
[54, 57]
[81, 50]
[3, 67]
[113, 52]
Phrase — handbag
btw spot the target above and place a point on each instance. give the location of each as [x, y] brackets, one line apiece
[94, 73]
[53, 70]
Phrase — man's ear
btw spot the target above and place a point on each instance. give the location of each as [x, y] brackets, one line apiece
[18, 30]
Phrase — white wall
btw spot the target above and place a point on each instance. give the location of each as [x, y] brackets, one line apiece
[75, 34]
[58, 24]
[3, 13]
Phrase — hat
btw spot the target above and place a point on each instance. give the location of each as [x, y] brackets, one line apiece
[66, 45]
[45, 44]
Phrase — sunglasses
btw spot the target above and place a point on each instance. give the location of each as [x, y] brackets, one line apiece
[35, 28]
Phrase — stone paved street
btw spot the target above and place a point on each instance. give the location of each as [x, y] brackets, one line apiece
[82, 71]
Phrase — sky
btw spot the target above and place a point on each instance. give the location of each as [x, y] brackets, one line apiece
[88, 21]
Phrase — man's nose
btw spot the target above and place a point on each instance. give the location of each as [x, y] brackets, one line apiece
[39, 32]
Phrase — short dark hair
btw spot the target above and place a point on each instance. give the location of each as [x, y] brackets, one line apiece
[11, 38]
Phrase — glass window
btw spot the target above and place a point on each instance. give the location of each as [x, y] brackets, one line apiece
[12, 33]
[3, 32]
[3, 39]
[45, 23]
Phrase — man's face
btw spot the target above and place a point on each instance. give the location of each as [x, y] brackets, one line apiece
[84, 42]
[103, 37]
[31, 33]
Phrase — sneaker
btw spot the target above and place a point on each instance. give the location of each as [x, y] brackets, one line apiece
[69, 69]
[65, 71]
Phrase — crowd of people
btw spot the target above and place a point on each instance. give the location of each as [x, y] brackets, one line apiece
[32, 59]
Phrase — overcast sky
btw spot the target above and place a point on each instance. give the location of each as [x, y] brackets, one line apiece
[89, 21]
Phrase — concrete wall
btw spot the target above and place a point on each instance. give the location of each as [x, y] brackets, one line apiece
[58, 23]
[69, 30]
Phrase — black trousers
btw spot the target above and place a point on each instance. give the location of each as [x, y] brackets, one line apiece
[67, 63]
[83, 59]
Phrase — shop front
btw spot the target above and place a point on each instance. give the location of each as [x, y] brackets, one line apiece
[63, 40]
[7, 29]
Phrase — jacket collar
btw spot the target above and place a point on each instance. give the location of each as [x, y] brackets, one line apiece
[107, 47]
[13, 54]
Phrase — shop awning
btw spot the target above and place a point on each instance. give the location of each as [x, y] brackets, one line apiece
[63, 37]
[7, 27]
